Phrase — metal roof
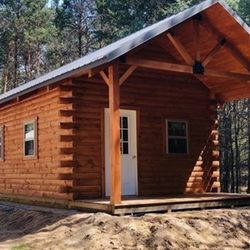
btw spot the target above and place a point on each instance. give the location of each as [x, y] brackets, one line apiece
[116, 49]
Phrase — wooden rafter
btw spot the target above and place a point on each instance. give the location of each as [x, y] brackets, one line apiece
[197, 44]
[213, 52]
[127, 74]
[180, 48]
[172, 67]
[229, 46]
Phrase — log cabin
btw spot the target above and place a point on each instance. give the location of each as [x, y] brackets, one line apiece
[137, 118]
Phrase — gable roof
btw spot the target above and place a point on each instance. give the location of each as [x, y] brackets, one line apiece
[117, 49]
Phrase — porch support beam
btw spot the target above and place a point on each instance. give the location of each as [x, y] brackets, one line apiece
[185, 69]
[104, 77]
[114, 147]
[173, 67]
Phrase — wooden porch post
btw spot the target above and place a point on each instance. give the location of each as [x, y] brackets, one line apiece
[115, 158]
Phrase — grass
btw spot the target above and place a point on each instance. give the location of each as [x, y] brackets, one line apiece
[19, 247]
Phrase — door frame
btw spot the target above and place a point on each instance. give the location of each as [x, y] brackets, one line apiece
[134, 113]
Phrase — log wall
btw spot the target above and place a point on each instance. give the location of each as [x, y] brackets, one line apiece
[43, 175]
[70, 161]
[156, 97]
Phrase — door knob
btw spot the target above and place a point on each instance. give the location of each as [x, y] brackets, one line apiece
[134, 156]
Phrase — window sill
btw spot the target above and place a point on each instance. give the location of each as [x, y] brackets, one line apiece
[32, 157]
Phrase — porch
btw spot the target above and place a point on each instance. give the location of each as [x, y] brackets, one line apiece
[152, 81]
[143, 204]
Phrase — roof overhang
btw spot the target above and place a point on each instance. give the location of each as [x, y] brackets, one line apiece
[127, 44]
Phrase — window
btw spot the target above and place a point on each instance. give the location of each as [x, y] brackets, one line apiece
[30, 140]
[124, 135]
[2, 143]
[177, 137]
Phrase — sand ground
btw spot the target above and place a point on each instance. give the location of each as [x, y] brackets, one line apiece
[26, 227]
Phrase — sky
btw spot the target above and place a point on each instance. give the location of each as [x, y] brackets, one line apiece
[50, 2]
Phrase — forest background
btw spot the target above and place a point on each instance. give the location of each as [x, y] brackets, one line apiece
[37, 36]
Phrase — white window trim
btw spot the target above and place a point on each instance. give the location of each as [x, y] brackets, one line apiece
[3, 143]
[34, 121]
[177, 137]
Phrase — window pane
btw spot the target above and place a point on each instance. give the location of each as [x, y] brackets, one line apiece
[125, 122]
[29, 147]
[178, 146]
[176, 128]
[125, 135]
[125, 148]
[29, 131]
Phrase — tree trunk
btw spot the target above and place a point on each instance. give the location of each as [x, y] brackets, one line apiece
[15, 61]
[5, 76]
[236, 143]
[230, 148]
[38, 67]
[248, 129]
[79, 44]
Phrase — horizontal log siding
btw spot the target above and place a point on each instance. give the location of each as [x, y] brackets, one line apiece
[42, 176]
[156, 98]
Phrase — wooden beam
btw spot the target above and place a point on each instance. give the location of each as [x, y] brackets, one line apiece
[114, 146]
[227, 75]
[180, 48]
[229, 46]
[127, 74]
[185, 69]
[162, 43]
[213, 52]
[159, 65]
[104, 77]
[197, 44]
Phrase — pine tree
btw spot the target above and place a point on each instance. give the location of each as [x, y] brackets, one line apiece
[26, 30]
[74, 19]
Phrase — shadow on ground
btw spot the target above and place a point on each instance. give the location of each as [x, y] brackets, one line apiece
[18, 220]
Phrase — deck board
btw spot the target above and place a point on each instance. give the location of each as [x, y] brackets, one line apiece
[138, 204]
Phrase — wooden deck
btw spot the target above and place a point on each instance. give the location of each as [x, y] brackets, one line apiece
[133, 205]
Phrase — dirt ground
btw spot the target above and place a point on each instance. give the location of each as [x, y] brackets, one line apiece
[26, 227]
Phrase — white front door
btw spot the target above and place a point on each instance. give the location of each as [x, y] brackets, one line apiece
[128, 146]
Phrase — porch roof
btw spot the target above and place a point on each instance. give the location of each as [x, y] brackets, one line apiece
[226, 25]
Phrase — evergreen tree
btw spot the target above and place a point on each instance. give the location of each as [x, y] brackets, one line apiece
[118, 18]
[244, 10]
[74, 19]
[26, 30]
